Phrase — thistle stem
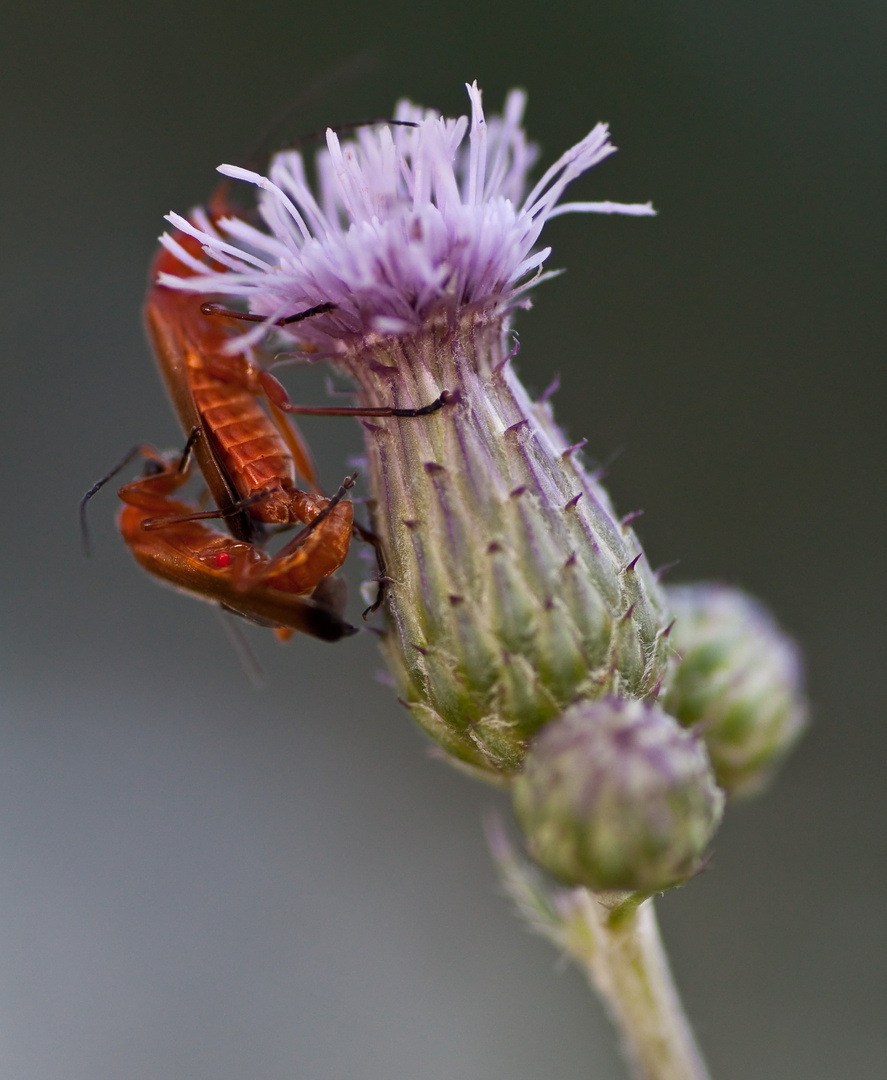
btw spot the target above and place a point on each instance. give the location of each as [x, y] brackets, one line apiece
[621, 952]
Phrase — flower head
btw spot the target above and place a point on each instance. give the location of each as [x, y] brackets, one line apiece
[407, 219]
[514, 591]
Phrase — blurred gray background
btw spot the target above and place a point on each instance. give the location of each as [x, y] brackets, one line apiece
[198, 880]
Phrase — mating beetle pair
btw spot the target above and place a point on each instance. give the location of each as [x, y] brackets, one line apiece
[251, 456]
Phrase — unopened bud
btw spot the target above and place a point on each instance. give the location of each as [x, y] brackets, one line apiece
[616, 795]
[738, 679]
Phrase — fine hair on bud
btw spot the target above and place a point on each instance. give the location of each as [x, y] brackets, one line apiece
[616, 795]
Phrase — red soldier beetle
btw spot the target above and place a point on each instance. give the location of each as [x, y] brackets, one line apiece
[168, 538]
[249, 457]
[242, 450]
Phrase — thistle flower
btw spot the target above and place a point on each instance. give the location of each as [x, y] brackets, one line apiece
[514, 591]
[738, 680]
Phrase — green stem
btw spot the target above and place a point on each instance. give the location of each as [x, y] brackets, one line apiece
[619, 947]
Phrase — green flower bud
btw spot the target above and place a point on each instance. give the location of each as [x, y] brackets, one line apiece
[616, 795]
[738, 679]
